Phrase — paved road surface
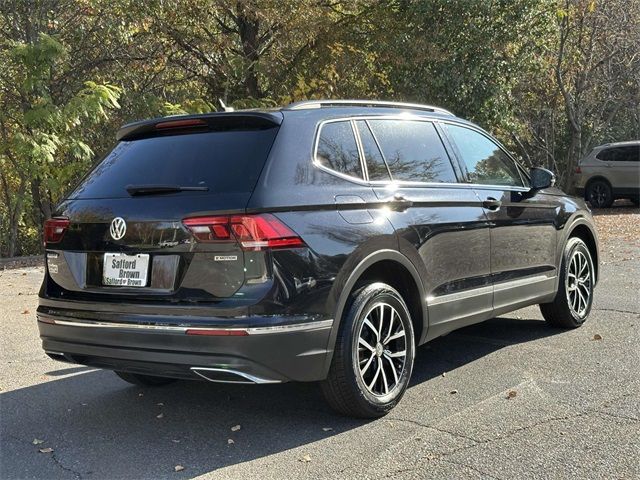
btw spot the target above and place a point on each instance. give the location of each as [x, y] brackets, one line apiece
[575, 413]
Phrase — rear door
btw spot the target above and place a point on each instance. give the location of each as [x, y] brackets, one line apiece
[440, 224]
[523, 233]
[622, 166]
[128, 232]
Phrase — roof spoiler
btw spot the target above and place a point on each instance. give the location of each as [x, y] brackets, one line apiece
[247, 119]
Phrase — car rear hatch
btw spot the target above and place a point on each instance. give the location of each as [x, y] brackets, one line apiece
[162, 217]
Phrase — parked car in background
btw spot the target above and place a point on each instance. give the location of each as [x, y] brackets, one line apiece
[609, 172]
[323, 241]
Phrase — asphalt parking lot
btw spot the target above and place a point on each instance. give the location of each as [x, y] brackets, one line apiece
[575, 411]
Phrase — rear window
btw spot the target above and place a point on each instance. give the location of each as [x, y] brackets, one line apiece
[227, 161]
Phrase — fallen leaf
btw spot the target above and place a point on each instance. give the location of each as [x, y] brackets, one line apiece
[160, 416]
[46, 450]
[444, 374]
[235, 428]
[37, 442]
[305, 459]
[453, 392]
[511, 394]
[178, 468]
[160, 404]
[230, 441]
[597, 337]
[141, 394]
[175, 441]
[25, 312]
[326, 429]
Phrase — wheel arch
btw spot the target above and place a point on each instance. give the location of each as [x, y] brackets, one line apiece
[393, 268]
[594, 179]
[584, 230]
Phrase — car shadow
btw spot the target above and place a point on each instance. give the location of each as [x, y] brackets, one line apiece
[101, 427]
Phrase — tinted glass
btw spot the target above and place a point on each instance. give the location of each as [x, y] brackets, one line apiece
[223, 161]
[413, 150]
[629, 153]
[486, 163]
[337, 149]
[375, 163]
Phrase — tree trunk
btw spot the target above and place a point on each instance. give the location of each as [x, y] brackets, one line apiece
[573, 156]
[249, 27]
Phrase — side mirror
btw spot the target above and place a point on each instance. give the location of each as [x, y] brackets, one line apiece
[541, 178]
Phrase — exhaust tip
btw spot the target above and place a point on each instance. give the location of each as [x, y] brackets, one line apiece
[59, 357]
[225, 375]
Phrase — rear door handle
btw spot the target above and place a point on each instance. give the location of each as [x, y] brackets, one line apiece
[491, 204]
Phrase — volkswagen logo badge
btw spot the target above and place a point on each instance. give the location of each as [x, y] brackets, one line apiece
[118, 228]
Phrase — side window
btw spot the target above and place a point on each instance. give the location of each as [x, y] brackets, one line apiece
[605, 155]
[337, 149]
[376, 167]
[413, 150]
[485, 161]
[620, 154]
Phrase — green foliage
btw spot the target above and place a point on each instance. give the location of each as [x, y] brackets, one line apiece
[551, 78]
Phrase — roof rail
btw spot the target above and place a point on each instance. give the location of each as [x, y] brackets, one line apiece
[306, 104]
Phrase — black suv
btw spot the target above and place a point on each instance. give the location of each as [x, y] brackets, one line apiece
[323, 241]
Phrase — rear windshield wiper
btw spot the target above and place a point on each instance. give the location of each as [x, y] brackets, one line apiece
[159, 189]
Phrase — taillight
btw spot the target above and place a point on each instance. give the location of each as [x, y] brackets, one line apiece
[54, 229]
[578, 169]
[253, 232]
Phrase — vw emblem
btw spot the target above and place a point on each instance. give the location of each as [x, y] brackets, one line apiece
[118, 228]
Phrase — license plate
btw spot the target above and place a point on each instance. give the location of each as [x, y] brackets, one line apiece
[121, 270]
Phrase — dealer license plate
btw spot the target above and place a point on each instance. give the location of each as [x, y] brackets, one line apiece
[121, 270]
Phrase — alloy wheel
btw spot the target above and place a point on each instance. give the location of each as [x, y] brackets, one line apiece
[381, 349]
[598, 196]
[579, 283]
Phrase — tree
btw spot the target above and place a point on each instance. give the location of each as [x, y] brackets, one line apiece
[597, 66]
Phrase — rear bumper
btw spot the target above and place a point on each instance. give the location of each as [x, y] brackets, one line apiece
[245, 350]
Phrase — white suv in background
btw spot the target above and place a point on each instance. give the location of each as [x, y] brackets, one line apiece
[609, 172]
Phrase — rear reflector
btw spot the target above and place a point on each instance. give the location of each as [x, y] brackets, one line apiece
[54, 229]
[578, 169]
[253, 232]
[217, 333]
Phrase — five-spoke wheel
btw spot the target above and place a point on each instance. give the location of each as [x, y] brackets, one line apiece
[572, 303]
[373, 355]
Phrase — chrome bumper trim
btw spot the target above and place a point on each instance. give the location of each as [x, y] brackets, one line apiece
[296, 327]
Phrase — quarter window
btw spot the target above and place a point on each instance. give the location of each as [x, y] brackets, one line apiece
[413, 150]
[337, 149]
[486, 162]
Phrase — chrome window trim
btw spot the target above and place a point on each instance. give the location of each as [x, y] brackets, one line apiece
[405, 183]
[363, 181]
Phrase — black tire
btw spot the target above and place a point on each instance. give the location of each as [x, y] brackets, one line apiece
[345, 388]
[562, 312]
[599, 194]
[144, 380]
